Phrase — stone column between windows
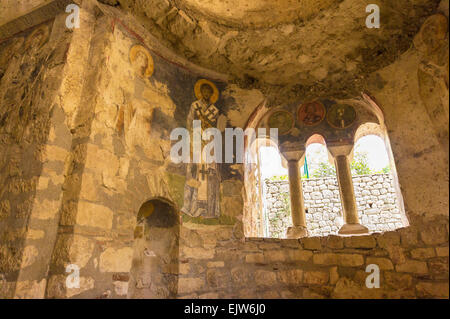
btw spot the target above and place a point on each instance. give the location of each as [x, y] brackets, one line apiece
[341, 154]
[298, 229]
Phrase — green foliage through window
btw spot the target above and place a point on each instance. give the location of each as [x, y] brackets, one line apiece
[359, 166]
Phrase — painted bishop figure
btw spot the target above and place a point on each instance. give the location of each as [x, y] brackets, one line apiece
[201, 194]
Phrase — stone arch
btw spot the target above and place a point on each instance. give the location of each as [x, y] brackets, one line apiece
[154, 268]
[319, 139]
[315, 138]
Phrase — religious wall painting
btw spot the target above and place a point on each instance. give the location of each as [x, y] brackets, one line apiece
[28, 65]
[432, 34]
[141, 61]
[311, 113]
[135, 114]
[433, 73]
[341, 116]
[9, 49]
[36, 39]
[282, 120]
[201, 195]
[204, 108]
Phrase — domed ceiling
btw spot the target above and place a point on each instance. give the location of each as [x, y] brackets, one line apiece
[287, 48]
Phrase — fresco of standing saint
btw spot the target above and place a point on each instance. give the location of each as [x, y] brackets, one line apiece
[201, 195]
[134, 117]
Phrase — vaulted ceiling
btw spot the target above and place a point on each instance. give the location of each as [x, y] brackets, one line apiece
[287, 48]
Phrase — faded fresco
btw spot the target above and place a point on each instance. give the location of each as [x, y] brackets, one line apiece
[201, 195]
[311, 113]
[341, 116]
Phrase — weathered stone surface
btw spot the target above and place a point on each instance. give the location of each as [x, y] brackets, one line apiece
[311, 243]
[30, 254]
[35, 234]
[334, 275]
[274, 256]
[241, 275]
[255, 258]
[81, 250]
[442, 251]
[346, 288]
[316, 277]
[335, 242]
[94, 215]
[409, 237]
[189, 285]
[215, 264]
[383, 263]
[47, 209]
[298, 255]
[217, 277]
[360, 242]
[325, 259]
[432, 289]
[265, 278]
[396, 254]
[85, 285]
[398, 280]
[291, 277]
[116, 260]
[434, 235]
[423, 253]
[30, 289]
[198, 253]
[388, 239]
[412, 266]
[120, 288]
[350, 260]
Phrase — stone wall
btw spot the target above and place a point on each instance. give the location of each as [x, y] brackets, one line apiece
[120, 158]
[33, 142]
[216, 263]
[74, 180]
[376, 199]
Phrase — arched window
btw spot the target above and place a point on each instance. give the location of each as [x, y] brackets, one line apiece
[341, 177]
[263, 161]
[276, 212]
[379, 199]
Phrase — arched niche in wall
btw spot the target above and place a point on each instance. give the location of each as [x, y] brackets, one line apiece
[154, 271]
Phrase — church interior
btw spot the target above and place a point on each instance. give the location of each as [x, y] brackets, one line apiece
[94, 94]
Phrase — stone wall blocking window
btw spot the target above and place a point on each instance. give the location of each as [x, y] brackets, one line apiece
[154, 271]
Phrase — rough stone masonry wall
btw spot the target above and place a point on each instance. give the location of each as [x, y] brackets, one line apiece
[117, 166]
[32, 141]
[215, 262]
[376, 199]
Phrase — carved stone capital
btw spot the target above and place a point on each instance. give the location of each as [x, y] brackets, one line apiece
[293, 155]
[340, 150]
